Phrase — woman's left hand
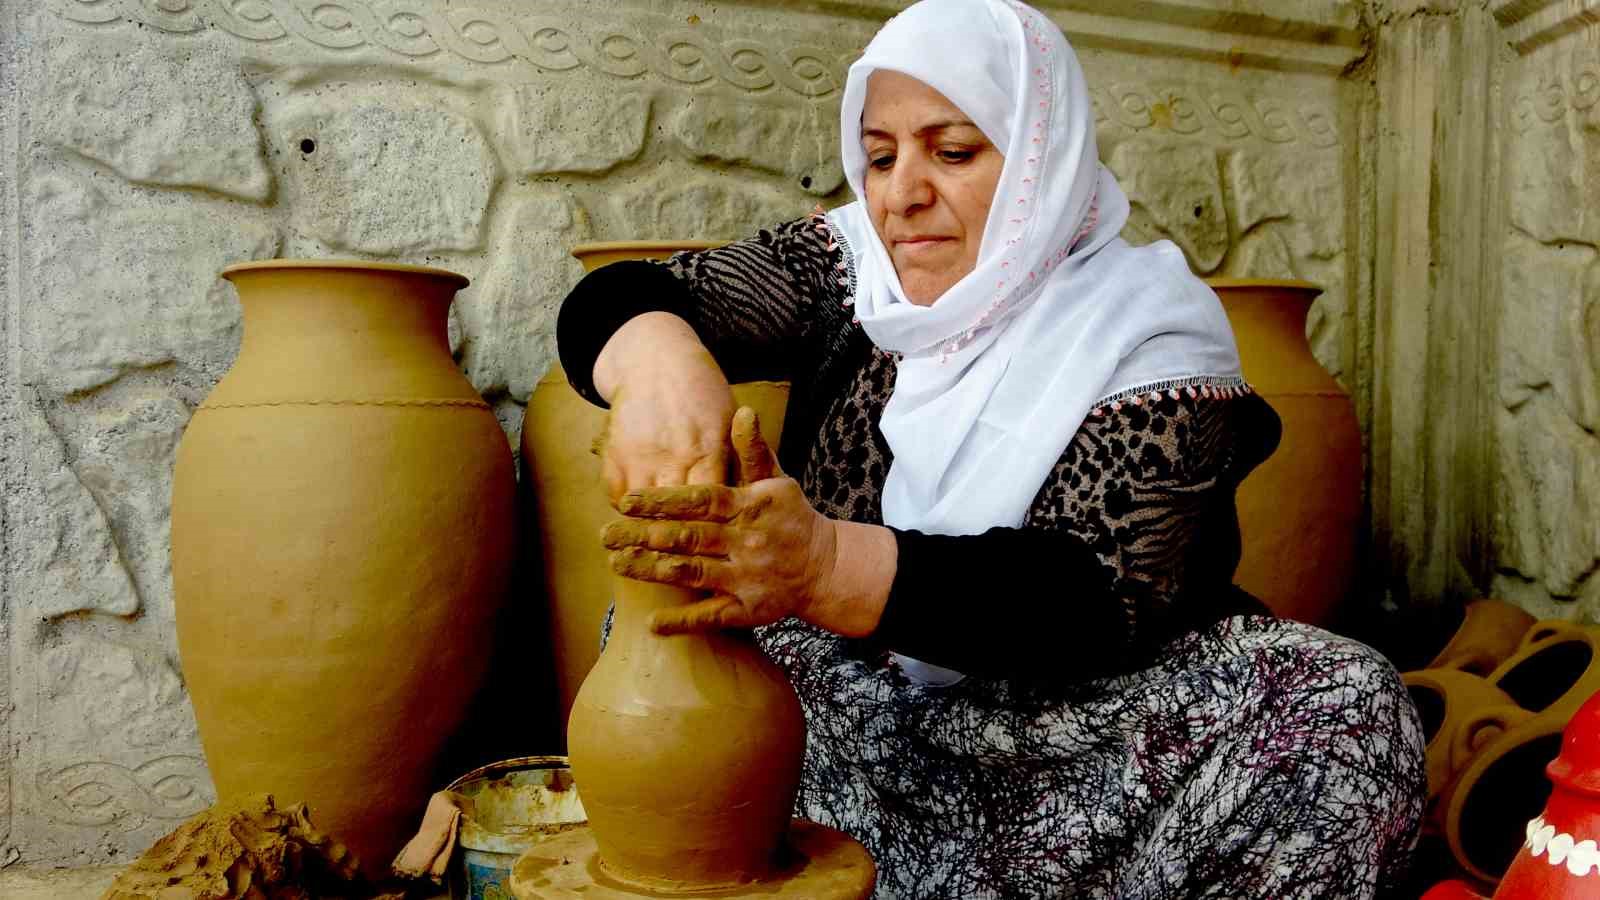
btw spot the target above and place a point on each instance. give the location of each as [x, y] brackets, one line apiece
[760, 547]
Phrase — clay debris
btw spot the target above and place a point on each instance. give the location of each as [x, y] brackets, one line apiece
[249, 850]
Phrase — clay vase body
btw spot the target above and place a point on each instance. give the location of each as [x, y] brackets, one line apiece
[1300, 511]
[565, 500]
[1490, 631]
[1461, 712]
[342, 535]
[687, 750]
[1504, 785]
[1559, 859]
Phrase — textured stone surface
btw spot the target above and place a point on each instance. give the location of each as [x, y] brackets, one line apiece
[552, 130]
[1176, 190]
[121, 281]
[154, 116]
[387, 181]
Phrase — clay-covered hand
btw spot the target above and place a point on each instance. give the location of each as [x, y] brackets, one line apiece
[670, 407]
[760, 547]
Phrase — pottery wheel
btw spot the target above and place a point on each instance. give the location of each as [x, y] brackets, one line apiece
[827, 865]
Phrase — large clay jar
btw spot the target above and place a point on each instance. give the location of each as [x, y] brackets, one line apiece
[1559, 859]
[688, 752]
[1503, 786]
[342, 535]
[1300, 511]
[1490, 631]
[565, 502]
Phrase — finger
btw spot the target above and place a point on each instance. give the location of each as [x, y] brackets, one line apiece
[711, 469]
[683, 538]
[756, 462]
[717, 612]
[616, 481]
[665, 568]
[705, 502]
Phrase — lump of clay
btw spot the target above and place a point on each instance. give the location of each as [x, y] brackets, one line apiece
[249, 850]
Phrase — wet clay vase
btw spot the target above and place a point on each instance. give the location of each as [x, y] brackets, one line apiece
[687, 749]
[1490, 631]
[565, 503]
[1461, 712]
[1560, 856]
[1504, 785]
[342, 535]
[1300, 511]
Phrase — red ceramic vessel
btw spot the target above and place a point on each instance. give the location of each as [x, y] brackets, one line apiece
[1560, 859]
[1453, 890]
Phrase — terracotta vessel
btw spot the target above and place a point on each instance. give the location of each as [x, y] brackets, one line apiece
[687, 750]
[342, 535]
[1461, 712]
[1490, 631]
[1559, 856]
[565, 505]
[1503, 786]
[1300, 511]
[1453, 890]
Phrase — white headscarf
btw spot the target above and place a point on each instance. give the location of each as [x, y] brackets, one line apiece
[1058, 317]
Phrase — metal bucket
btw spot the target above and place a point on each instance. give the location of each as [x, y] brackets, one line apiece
[508, 807]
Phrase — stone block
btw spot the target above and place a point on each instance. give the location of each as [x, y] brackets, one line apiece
[118, 283]
[387, 180]
[800, 141]
[153, 115]
[507, 317]
[551, 129]
[1176, 191]
[702, 206]
[1547, 513]
[1549, 330]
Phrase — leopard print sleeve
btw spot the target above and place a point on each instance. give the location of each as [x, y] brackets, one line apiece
[1144, 485]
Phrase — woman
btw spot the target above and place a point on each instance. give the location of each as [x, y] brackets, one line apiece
[1001, 578]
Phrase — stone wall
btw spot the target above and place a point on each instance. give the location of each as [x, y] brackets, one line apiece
[147, 143]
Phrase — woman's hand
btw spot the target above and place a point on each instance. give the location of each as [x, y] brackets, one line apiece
[760, 547]
[670, 407]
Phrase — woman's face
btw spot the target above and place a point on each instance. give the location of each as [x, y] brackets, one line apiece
[931, 176]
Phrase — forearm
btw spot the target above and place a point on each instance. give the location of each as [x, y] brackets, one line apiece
[851, 599]
[648, 339]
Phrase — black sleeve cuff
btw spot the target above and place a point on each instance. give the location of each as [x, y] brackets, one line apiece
[1009, 603]
[603, 302]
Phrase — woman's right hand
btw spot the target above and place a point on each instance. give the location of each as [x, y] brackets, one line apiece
[671, 407]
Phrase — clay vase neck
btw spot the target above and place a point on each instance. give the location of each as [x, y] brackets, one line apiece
[346, 332]
[687, 750]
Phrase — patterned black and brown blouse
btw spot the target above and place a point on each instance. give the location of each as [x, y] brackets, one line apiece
[1132, 725]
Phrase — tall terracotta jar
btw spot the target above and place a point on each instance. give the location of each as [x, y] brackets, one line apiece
[566, 503]
[1301, 510]
[342, 535]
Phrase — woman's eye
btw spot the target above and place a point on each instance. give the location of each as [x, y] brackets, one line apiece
[883, 161]
[955, 156]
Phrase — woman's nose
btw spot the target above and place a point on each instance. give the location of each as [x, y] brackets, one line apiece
[909, 188]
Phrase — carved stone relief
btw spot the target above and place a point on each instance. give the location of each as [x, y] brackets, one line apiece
[1547, 536]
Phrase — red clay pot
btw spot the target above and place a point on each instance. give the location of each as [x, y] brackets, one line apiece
[1560, 857]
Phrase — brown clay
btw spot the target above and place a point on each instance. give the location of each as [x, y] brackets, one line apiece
[1550, 676]
[1461, 712]
[687, 750]
[820, 864]
[567, 503]
[1300, 510]
[342, 534]
[246, 850]
[1490, 631]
